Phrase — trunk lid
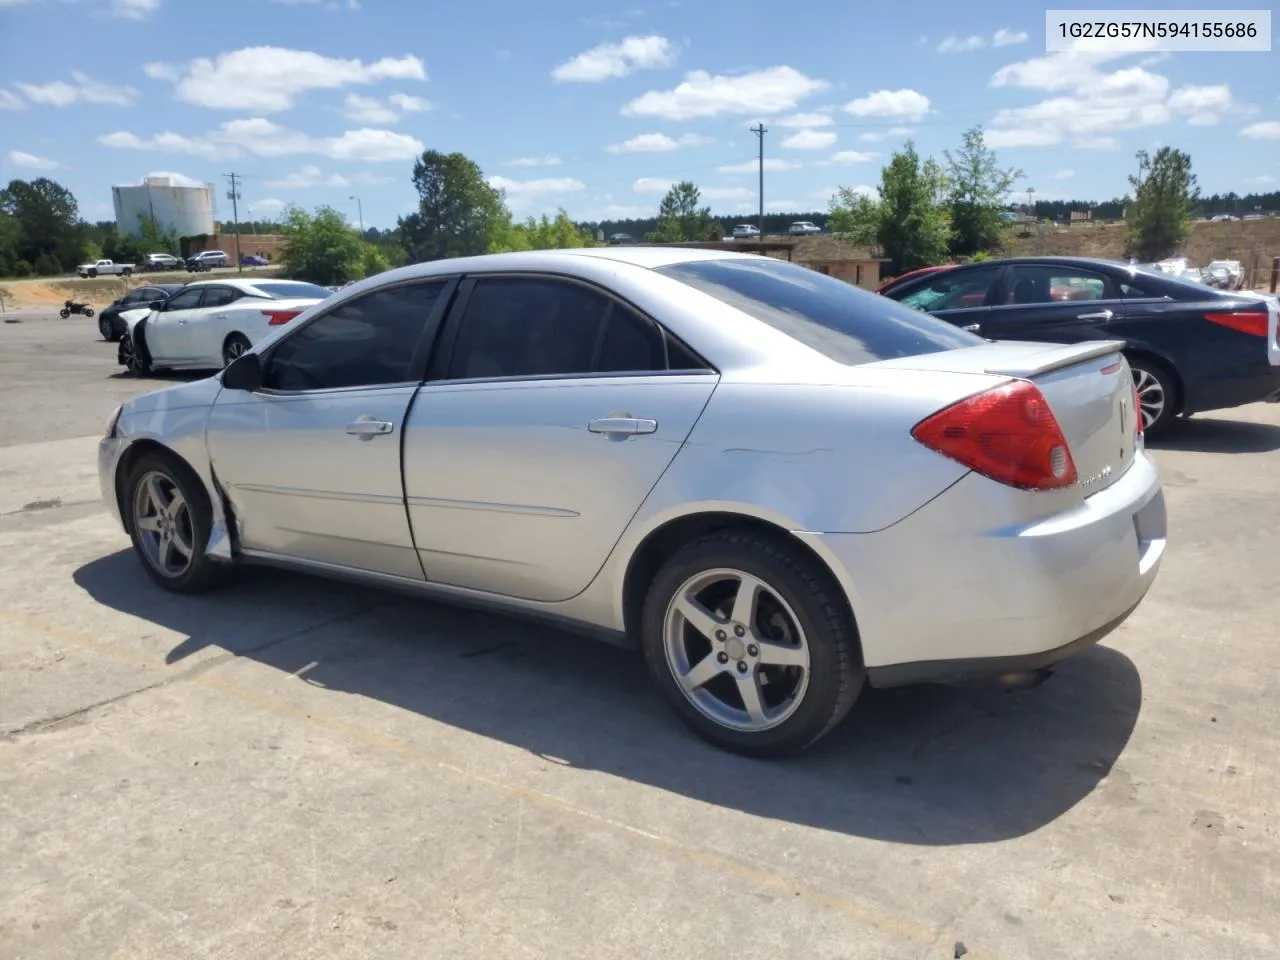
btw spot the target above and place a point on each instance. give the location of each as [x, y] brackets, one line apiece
[1087, 386]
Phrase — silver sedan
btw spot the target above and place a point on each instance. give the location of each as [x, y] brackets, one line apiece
[778, 486]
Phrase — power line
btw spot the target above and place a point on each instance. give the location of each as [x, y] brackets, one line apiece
[234, 196]
[760, 130]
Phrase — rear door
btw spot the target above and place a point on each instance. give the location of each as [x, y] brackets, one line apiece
[1055, 303]
[208, 329]
[311, 461]
[960, 296]
[527, 453]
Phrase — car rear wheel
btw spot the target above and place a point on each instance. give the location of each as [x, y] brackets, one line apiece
[750, 643]
[169, 520]
[236, 346]
[1157, 394]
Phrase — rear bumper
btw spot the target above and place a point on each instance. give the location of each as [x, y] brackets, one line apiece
[1262, 384]
[946, 593]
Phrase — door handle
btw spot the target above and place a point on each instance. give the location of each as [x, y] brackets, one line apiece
[1100, 315]
[181, 322]
[219, 316]
[622, 426]
[366, 428]
[972, 327]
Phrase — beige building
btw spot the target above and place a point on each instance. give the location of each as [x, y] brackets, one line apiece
[830, 255]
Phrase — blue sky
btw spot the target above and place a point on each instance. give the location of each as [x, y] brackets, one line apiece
[595, 106]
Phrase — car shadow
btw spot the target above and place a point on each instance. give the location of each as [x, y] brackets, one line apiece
[1212, 435]
[926, 765]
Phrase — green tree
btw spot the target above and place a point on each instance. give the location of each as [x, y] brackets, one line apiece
[680, 217]
[976, 189]
[154, 238]
[541, 234]
[459, 213]
[321, 247]
[1165, 199]
[48, 219]
[908, 220]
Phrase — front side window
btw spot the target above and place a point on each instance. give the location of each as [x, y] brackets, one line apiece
[840, 321]
[367, 342]
[539, 327]
[220, 296]
[188, 299]
[950, 290]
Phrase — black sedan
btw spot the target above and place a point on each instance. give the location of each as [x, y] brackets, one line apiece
[112, 327]
[1191, 348]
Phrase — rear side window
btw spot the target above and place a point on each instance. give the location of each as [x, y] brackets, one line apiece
[294, 290]
[837, 319]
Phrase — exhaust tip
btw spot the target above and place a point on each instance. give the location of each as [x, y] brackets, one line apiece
[1026, 679]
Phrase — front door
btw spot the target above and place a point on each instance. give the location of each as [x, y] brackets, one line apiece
[311, 461]
[1056, 304]
[958, 296]
[527, 455]
[206, 333]
[169, 331]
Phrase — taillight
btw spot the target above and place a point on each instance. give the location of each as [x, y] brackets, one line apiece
[1251, 321]
[276, 318]
[1139, 428]
[1007, 433]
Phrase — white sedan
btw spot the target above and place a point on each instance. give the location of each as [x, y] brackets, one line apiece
[209, 323]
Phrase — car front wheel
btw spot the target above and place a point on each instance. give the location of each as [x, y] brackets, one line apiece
[169, 521]
[107, 330]
[750, 643]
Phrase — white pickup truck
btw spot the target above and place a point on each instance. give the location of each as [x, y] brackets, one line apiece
[105, 268]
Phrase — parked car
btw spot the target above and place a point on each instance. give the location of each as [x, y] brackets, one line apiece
[210, 322]
[104, 268]
[112, 325]
[745, 231]
[253, 260]
[1225, 273]
[746, 468]
[803, 228]
[620, 239]
[207, 260]
[909, 276]
[161, 261]
[1191, 348]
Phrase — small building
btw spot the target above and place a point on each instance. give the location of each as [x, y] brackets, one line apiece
[185, 210]
[832, 256]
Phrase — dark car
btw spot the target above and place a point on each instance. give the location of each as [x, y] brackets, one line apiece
[909, 277]
[620, 239]
[1191, 348]
[110, 323]
[253, 260]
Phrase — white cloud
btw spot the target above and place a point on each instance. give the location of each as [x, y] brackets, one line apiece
[658, 143]
[11, 101]
[1266, 130]
[849, 156]
[1262, 180]
[180, 179]
[1008, 38]
[549, 186]
[1204, 105]
[269, 206]
[83, 90]
[269, 79]
[367, 110]
[616, 60]
[262, 138]
[908, 104]
[809, 140]
[409, 104]
[308, 177]
[31, 162]
[771, 165]
[651, 185]
[1096, 143]
[134, 9]
[767, 91]
[961, 44]
[806, 120]
[1014, 137]
[1064, 175]
[872, 136]
[550, 160]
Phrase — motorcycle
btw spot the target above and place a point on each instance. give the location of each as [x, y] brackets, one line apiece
[80, 309]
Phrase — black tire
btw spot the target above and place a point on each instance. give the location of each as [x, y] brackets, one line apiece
[235, 345]
[128, 271]
[107, 329]
[88, 312]
[64, 313]
[836, 673]
[192, 524]
[93, 273]
[1155, 379]
[133, 359]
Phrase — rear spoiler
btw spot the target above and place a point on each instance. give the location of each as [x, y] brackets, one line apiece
[1057, 357]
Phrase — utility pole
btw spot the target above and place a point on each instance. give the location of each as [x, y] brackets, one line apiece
[760, 130]
[360, 208]
[234, 196]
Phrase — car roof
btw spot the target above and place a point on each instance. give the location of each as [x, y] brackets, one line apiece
[250, 285]
[640, 255]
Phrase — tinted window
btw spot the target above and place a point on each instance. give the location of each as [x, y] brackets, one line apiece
[188, 299]
[948, 290]
[220, 296]
[837, 319]
[528, 327]
[1053, 284]
[289, 291]
[366, 342]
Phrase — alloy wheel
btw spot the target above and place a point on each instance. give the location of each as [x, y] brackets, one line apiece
[736, 650]
[235, 350]
[162, 519]
[1151, 396]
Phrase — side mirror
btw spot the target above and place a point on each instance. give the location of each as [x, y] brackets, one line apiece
[156, 305]
[243, 373]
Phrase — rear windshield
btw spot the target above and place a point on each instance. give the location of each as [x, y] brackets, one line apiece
[841, 321]
[290, 291]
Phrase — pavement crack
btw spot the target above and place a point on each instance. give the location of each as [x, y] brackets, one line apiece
[72, 717]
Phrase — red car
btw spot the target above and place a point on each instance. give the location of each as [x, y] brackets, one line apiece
[910, 275]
